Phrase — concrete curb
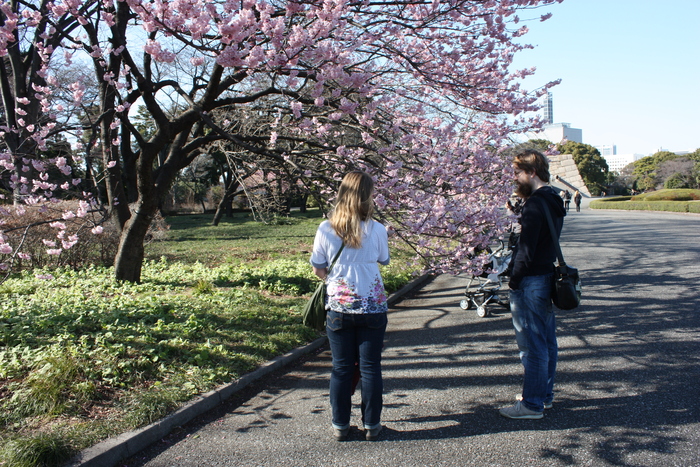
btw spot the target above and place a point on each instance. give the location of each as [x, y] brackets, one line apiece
[110, 452]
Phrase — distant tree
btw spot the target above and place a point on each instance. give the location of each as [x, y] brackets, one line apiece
[644, 174]
[695, 156]
[591, 165]
[616, 184]
[625, 178]
[231, 180]
[199, 176]
[663, 156]
[652, 172]
[677, 180]
[541, 145]
[677, 173]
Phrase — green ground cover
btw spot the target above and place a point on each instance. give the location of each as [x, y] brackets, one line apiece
[673, 200]
[83, 358]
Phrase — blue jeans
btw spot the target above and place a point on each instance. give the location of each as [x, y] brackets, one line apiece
[535, 333]
[356, 338]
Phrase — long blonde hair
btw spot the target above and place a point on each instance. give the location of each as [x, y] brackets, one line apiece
[353, 205]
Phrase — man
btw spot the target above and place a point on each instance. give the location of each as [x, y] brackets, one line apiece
[577, 201]
[530, 285]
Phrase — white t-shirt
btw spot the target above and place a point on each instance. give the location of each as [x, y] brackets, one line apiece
[354, 284]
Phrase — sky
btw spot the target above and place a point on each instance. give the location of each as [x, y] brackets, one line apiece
[630, 70]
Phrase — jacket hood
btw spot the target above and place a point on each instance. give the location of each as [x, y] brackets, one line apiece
[553, 200]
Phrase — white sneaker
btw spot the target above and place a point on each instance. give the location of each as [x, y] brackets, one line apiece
[547, 404]
[520, 412]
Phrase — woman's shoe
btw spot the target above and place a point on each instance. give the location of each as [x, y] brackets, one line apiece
[341, 435]
[373, 434]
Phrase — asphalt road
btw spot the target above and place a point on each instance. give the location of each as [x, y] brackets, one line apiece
[628, 389]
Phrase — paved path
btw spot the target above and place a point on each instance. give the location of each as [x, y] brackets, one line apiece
[628, 392]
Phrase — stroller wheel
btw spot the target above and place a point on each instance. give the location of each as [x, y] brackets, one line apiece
[482, 311]
[465, 304]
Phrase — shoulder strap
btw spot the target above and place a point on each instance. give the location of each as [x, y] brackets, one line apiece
[335, 258]
[553, 231]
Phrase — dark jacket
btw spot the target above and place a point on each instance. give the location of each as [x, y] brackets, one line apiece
[535, 253]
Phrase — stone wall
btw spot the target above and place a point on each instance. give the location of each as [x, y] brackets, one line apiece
[564, 174]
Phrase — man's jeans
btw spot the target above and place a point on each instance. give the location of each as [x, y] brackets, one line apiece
[535, 332]
[356, 337]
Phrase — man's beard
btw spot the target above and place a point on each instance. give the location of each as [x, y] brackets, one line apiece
[524, 190]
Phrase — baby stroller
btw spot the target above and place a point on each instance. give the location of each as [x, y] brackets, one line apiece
[491, 287]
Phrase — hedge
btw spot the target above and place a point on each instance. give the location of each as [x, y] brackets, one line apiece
[624, 203]
[678, 194]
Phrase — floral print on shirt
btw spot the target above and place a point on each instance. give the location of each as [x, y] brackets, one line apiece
[344, 298]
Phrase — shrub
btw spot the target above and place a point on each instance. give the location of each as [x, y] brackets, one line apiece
[676, 180]
[26, 230]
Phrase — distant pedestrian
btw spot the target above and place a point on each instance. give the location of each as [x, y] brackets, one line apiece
[530, 286]
[567, 199]
[577, 200]
[514, 205]
[356, 301]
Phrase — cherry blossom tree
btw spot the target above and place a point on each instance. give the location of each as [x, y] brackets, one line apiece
[420, 94]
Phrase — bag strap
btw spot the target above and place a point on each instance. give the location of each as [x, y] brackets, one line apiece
[553, 231]
[335, 258]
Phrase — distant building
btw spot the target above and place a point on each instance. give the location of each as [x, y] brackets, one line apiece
[556, 132]
[548, 109]
[617, 162]
[607, 150]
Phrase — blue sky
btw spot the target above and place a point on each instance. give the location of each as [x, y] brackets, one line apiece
[630, 70]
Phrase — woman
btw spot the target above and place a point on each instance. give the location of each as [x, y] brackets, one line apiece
[356, 301]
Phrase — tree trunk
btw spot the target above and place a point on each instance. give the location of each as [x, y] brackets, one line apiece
[226, 200]
[130, 255]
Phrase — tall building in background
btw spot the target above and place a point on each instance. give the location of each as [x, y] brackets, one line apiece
[556, 132]
[548, 109]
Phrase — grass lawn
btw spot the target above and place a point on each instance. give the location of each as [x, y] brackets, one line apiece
[83, 358]
[238, 239]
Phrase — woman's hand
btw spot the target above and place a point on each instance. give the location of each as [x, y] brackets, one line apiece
[321, 272]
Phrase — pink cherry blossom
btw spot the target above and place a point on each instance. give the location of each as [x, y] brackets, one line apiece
[421, 95]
